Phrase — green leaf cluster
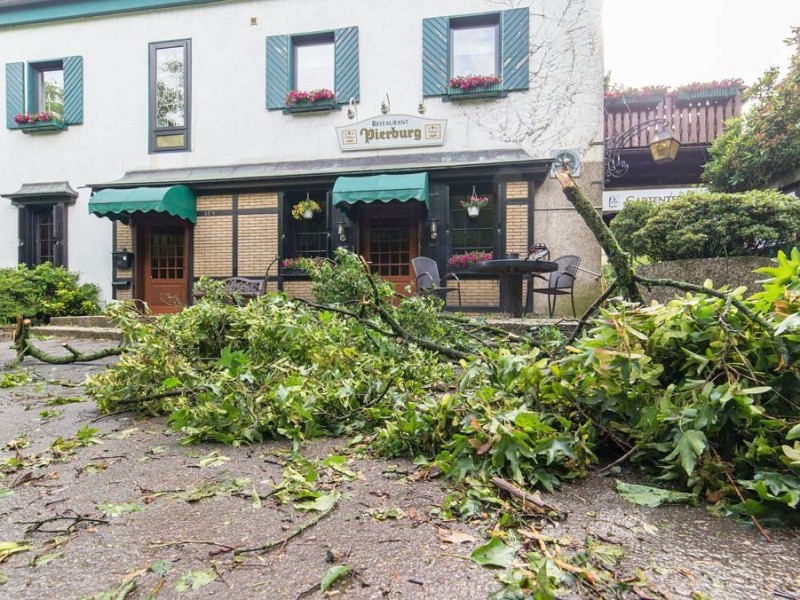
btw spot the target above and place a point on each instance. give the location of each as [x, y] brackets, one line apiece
[42, 292]
[764, 145]
[708, 225]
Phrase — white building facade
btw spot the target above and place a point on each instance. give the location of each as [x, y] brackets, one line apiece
[170, 134]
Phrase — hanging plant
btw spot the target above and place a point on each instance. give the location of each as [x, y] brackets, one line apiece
[474, 203]
[305, 209]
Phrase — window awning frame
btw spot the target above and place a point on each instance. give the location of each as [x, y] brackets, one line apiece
[120, 204]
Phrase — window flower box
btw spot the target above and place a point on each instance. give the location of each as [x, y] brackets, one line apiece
[468, 259]
[644, 100]
[713, 90]
[467, 87]
[300, 101]
[38, 122]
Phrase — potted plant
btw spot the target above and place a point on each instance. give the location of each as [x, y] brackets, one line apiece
[305, 209]
[474, 203]
[474, 86]
[41, 121]
[311, 100]
[469, 259]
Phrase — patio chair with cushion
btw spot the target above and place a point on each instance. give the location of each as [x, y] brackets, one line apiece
[560, 283]
[426, 273]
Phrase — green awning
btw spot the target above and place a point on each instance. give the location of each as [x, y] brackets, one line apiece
[119, 205]
[381, 188]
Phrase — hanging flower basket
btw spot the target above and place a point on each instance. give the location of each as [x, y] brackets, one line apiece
[474, 203]
[305, 209]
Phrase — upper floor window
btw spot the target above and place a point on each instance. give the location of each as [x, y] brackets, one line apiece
[486, 45]
[170, 96]
[306, 62]
[44, 95]
[314, 63]
[474, 46]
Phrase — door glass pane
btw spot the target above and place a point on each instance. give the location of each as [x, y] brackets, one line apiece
[474, 50]
[313, 66]
[170, 72]
[166, 253]
[390, 246]
[45, 235]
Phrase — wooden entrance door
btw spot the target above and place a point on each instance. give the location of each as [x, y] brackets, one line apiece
[163, 268]
[390, 240]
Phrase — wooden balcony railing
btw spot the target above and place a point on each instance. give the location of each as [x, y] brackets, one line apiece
[694, 120]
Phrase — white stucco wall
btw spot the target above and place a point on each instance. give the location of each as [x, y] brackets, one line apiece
[562, 109]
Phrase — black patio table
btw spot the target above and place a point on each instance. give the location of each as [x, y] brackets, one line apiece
[511, 271]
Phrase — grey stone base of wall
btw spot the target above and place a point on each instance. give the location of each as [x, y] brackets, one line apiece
[733, 272]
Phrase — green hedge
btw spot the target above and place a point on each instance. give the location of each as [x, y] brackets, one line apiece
[43, 292]
[708, 225]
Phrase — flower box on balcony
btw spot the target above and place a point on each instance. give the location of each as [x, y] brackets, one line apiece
[709, 94]
[494, 90]
[649, 100]
[304, 106]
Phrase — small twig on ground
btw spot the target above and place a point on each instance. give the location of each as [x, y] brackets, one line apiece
[226, 547]
[621, 459]
[739, 494]
[534, 499]
[266, 547]
[36, 526]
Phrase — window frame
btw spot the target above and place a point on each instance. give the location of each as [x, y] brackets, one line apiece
[312, 39]
[458, 215]
[154, 132]
[292, 227]
[470, 22]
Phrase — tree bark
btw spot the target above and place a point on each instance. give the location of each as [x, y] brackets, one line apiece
[619, 259]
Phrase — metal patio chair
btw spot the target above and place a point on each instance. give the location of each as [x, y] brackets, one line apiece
[426, 274]
[560, 283]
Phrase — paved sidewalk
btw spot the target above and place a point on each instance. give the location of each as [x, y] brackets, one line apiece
[140, 465]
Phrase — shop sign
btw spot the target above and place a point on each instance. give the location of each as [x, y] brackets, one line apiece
[391, 131]
[614, 201]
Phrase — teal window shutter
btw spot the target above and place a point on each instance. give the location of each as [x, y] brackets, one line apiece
[435, 55]
[277, 70]
[346, 77]
[515, 28]
[73, 90]
[15, 92]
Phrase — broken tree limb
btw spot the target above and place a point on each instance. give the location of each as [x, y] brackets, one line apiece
[590, 311]
[400, 331]
[698, 289]
[618, 258]
[24, 347]
[535, 499]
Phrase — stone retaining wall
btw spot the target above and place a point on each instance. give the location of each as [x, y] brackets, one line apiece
[733, 272]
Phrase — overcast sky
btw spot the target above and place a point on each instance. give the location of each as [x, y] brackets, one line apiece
[698, 40]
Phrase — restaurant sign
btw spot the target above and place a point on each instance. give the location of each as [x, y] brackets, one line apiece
[391, 131]
[613, 201]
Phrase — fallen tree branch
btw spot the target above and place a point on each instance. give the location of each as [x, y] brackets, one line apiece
[534, 499]
[400, 331]
[292, 534]
[590, 311]
[24, 347]
[698, 289]
[621, 459]
[618, 258]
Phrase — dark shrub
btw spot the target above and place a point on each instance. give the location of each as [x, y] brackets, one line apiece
[43, 292]
[708, 225]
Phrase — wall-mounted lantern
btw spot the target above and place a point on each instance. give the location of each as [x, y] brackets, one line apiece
[341, 231]
[433, 229]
